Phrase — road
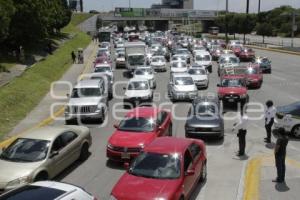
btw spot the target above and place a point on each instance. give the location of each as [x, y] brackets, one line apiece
[225, 170]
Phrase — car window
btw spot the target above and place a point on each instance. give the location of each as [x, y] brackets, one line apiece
[68, 137]
[161, 117]
[57, 144]
[188, 160]
[195, 151]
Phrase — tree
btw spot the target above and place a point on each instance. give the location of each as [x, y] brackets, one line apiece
[7, 10]
[246, 23]
[264, 29]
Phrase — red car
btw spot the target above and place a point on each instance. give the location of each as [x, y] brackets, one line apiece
[236, 50]
[139, 128]
[254, 76]
[233, 89]
[247, 54]
[169, 168]
[102, 60]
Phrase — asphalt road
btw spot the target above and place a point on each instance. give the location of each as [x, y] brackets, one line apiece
[225, 170]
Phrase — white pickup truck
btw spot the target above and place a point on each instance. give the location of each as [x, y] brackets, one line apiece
[135, 53]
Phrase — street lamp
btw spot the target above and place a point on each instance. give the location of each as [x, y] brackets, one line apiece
[258, 6]
[226, 23]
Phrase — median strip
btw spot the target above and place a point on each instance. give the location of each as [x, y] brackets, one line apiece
[274, 50]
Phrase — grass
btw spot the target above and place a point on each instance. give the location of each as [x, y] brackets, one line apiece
[7, 62]
[21, 95]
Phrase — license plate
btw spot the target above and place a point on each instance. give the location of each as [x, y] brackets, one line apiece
[125, 156]
[231, 100]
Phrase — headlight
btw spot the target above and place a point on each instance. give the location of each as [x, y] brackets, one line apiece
[109, 146]
[19, 181]
[112, 198]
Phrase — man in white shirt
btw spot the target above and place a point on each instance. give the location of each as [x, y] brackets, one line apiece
[241, 128]
[269, 119]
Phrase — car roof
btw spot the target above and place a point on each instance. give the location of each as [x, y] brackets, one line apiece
[149, 112]
[168, 145]
[92, 83]
[180, 75]
[46, 133]
[137, 79]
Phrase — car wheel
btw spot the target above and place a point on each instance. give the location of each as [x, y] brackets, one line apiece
[296, 131]
[84, 153]
[42, 176]
[170, 130]
[203, 175]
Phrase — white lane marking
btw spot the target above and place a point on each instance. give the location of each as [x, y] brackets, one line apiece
[240, 191]
[278, 77]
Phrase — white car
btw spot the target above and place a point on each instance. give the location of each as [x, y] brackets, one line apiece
[182, 87]
[288, 117]
[146, 73]
[177, 67]
[49, 190]
[138, 91]
[198, 48]
[178, 58]
[105, 68]
[204, 59]
[199, 76]
[159, 63]
[228, 60]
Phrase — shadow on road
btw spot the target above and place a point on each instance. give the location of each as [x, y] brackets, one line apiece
[197, 191]
[282, 187]
[114, 165]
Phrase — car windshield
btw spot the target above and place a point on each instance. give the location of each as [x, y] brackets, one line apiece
[232, 83]
[157, 166]
[293, 109]
[205, 109]
[182, 51]
[102, 69]
[197, 71]
[176, 58]
[136, 60]
[138, 85]
[232, 60]
[202, 58]
[252, 71]
[178, 65]
[184, 81]
[158, 59]
[85, 92]
[26, 150]
[137, 124]
[143, 72]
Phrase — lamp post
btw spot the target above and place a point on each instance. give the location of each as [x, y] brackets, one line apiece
[258, 11]
[226, 23]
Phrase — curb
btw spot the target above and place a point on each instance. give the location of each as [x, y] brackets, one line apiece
[275, 50]
[48, 120]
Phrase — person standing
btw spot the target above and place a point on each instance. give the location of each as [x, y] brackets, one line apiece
[269, 119]
[73, 55]
[280, 154]
[241, 128]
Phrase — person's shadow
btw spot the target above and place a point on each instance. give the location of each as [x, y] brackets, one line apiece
[282, 187]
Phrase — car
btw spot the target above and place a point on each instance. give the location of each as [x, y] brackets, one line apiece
[42, 154]
[185, 52]
[182, 87]
[199, 76]
[237, 49]
[146, 73]
[138, 129]
[239, 72]
[47, 190]
[103, 52]
[204, 118]
[204, 59]
[169, 168]
[232, 89]
[254, 77]
[120, 44]
[105, 45]
[89, 100]
[107, 80]
[105, 68]
[247, 54]
[178, 58]
[216, 53]
[102, 60]
[120, 60]
[158, 63]
[178, 67]
[288, 117]
[227, 60]
[138, 91]
[264, 64]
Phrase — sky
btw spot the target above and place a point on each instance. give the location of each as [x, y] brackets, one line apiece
[234, 5]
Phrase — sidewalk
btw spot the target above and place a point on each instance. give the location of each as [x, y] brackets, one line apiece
[40, 115]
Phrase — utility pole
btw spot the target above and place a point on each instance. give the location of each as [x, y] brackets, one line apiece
[247, 7]
[226, 23]
[247, 12]
[294, 27]
[258, 6]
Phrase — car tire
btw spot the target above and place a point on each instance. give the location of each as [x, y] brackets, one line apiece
[84, 152]
[203, 174]
[42, 176]
[296, 131]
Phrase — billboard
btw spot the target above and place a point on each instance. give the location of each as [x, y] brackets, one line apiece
[129, 12]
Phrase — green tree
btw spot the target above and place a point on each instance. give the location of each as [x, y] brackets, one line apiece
[246, 23]
[7, 10]
[264, 29]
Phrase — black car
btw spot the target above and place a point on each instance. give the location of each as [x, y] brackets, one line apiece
[204, 118]
[264, 64]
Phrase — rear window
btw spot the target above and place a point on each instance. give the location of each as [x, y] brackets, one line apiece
[31, 192]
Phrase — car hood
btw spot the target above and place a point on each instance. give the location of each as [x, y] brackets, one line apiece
[254, 76]
[185, 88]
[131, 187]
[204, 121]
[199, 77]
[137, 93]
[178, 69]
[158, 63]
[203, 62]
[84, 101]
[131, 139]
[232, 90]
[148, 77]
[12, 170]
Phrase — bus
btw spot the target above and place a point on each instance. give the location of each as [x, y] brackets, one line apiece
[104, 35]
[214, 30]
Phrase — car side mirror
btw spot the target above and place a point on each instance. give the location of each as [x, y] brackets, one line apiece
[126, 165]
[116, 126]
[190, 172]
[53, 154]
[218, 85]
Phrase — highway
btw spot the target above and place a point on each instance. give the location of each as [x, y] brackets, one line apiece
[225, 170]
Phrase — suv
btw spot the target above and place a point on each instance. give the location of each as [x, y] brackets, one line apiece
[204, 118]
[232, 89]
[182, 87]
[89, 100]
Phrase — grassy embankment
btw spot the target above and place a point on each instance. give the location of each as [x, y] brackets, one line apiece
[22, 94]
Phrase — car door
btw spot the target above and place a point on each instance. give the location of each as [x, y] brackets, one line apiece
[195, 150]
[188, 179]
[163, 123]
[72, 147]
